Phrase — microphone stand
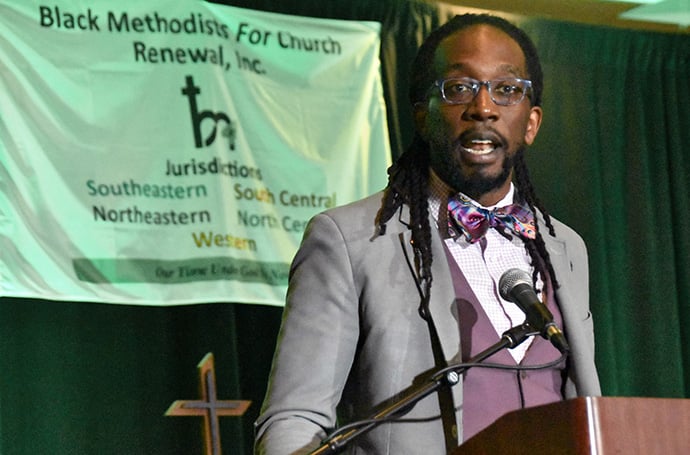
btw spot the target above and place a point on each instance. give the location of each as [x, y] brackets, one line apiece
[448, 376]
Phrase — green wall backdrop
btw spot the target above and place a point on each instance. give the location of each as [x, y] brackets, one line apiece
[612, 160]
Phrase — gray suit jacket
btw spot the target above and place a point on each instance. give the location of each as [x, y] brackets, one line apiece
[352, 338]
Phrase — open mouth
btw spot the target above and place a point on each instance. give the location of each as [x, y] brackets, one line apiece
[479, 146]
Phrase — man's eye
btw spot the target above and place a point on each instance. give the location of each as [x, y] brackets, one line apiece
[508, 89]
[458, 88]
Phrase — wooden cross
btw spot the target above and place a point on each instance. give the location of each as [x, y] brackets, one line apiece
[209, 406]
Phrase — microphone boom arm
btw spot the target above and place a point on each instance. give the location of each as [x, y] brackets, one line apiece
[448, 376]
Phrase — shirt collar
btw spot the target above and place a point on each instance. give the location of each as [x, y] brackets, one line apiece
[440, 192]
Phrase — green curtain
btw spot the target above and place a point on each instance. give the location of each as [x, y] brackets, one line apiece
[81, 378]
[95, 379]
[613, 161]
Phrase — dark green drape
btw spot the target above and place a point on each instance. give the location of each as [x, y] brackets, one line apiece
[80, 378]
[613, 162]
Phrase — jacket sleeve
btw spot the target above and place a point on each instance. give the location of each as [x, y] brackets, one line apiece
[572, 270]
[316, 345]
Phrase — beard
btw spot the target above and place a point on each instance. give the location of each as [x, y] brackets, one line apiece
[475, 184]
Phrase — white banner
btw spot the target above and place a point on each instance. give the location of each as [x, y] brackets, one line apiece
[171, 152]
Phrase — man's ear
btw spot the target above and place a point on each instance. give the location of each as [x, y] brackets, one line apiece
[533, 124]
[420, 114]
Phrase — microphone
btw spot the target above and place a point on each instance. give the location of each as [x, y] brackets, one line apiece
[515, 286]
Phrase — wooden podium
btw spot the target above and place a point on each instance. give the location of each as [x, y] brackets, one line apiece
[589, 425]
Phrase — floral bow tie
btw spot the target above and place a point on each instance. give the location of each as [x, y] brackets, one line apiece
[472, 221]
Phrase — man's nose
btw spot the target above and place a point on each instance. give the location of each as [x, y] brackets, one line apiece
[482, 107]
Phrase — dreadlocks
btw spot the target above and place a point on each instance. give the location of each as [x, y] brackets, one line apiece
[408, 178]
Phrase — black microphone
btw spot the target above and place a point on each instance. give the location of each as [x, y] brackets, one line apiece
[515, 286]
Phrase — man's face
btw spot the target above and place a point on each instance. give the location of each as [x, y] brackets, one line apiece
[473, 145]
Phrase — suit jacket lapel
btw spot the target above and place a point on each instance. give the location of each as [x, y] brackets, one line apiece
[442, 303]
[561, 265]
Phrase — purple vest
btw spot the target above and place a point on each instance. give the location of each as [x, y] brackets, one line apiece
[489, 393]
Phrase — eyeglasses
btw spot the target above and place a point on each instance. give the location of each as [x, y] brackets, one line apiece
[504, 92]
